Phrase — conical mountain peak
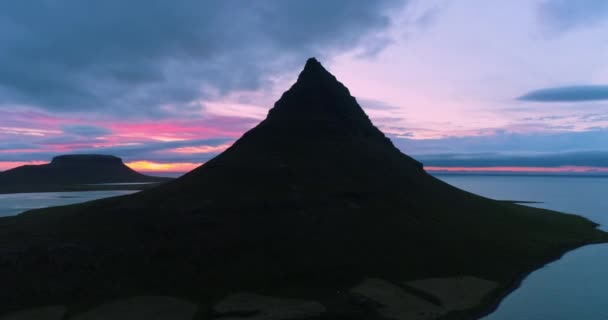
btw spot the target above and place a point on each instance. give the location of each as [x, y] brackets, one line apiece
[315, 77]
[312, 62]
[319, 104]
[314, 70]
[314, 129]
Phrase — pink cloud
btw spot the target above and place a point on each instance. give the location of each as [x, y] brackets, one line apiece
[170, 130]
[201, 149]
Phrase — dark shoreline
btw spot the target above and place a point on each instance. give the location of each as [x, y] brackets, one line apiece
[492, 302]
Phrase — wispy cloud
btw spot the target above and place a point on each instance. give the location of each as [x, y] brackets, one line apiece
[85, 130]
[568, 94]
[27, 131]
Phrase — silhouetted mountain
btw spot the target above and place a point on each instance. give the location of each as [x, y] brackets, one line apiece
[70, 170]
[308, 204]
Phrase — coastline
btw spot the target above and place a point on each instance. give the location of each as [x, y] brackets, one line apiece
[493, 301]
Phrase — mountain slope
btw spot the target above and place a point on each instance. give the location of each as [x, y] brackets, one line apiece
[308, 204]
[70, 170]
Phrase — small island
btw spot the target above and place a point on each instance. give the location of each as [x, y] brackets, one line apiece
[76, 172]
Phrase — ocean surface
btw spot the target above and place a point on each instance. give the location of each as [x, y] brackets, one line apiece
[15, 203]
[574, 287]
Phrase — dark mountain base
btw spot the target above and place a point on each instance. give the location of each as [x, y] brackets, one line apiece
[208, 253]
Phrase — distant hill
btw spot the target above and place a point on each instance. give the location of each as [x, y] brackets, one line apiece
[70, 171]
[314, 203]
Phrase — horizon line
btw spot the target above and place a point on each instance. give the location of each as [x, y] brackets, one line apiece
[151, 167]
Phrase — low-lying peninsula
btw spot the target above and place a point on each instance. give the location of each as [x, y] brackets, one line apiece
[76, 172]
[312, 214]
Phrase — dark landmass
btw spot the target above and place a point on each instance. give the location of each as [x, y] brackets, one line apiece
[82, 172]
[307, 205]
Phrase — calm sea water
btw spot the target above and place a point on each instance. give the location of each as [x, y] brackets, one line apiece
[574, 287]
[15, 203]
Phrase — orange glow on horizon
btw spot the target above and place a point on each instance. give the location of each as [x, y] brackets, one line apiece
[149, 166]
[560, 169]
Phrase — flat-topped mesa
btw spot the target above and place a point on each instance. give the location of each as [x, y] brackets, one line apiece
[72, 169]
[86, 159]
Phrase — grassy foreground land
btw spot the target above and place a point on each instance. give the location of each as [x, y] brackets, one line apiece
[309, 205]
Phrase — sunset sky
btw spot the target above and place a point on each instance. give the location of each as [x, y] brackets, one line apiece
[472, 85]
